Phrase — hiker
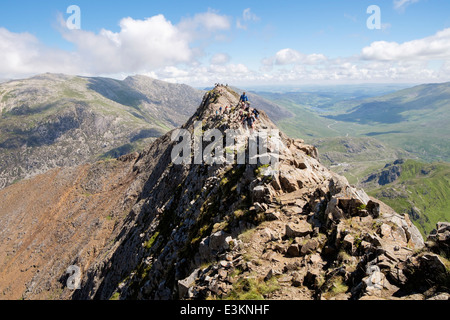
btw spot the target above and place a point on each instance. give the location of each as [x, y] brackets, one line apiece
[256, 113]
[220, 109]
[243, 98]
[249, 122]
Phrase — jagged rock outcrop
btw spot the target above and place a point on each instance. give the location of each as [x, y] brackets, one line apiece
[439, 238]
[290, 229]
[390, 173]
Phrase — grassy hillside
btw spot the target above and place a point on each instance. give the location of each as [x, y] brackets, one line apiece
[422, 190]
[356, 158]
[415, 119]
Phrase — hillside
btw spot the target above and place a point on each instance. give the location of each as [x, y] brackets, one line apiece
[421, 189]
[53, 120]
[414, 119]
[355, 158]
[143, 227]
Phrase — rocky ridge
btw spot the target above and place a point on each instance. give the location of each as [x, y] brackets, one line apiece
[294, 230]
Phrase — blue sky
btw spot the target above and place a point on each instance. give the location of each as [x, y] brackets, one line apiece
[237, 42]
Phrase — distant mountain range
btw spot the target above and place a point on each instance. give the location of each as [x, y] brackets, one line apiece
[414, 119]
[55, 120]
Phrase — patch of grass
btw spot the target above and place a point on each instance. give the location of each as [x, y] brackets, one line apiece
[115, 297]
[252, 288]
[333, 287]
[149, 244]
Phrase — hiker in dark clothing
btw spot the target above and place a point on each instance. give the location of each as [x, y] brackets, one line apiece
[249, 121]
[256, 113]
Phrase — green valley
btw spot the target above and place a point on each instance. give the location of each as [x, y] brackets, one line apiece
[422, 190]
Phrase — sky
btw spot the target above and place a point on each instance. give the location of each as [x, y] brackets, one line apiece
[242, 43]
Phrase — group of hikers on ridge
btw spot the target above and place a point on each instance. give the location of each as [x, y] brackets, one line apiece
[247, 115]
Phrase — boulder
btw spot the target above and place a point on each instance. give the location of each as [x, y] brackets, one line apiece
[313, 278]
[385, 230]
[373, 208]
[259, 194]
[433, 264]
[288, 182]
[440, 238]
[272, 215]
[218, 241]
[347, 243]
[309, 247]
[269, 275]
[293, 250]
[300, 229]
[413, 234]
[297, 279]
[185, 284]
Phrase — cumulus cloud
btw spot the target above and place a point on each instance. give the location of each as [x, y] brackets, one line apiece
[139, 46]
[163, 50]
[22, 54]
[433, 47]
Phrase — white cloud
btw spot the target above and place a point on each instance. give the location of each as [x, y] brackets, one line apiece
[158, 48]
[291, 56]
[220, 59]
[400, 5]
[21, 54]
[247, 17]
[140, 46]
[204, 24]
[433, 47]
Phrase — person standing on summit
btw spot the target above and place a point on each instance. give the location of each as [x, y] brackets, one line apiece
[243, 98]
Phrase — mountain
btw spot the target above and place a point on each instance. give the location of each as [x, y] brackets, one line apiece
[55, 120]
[144, 227]
[356, 157]
[420, 189]
[414, 119]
